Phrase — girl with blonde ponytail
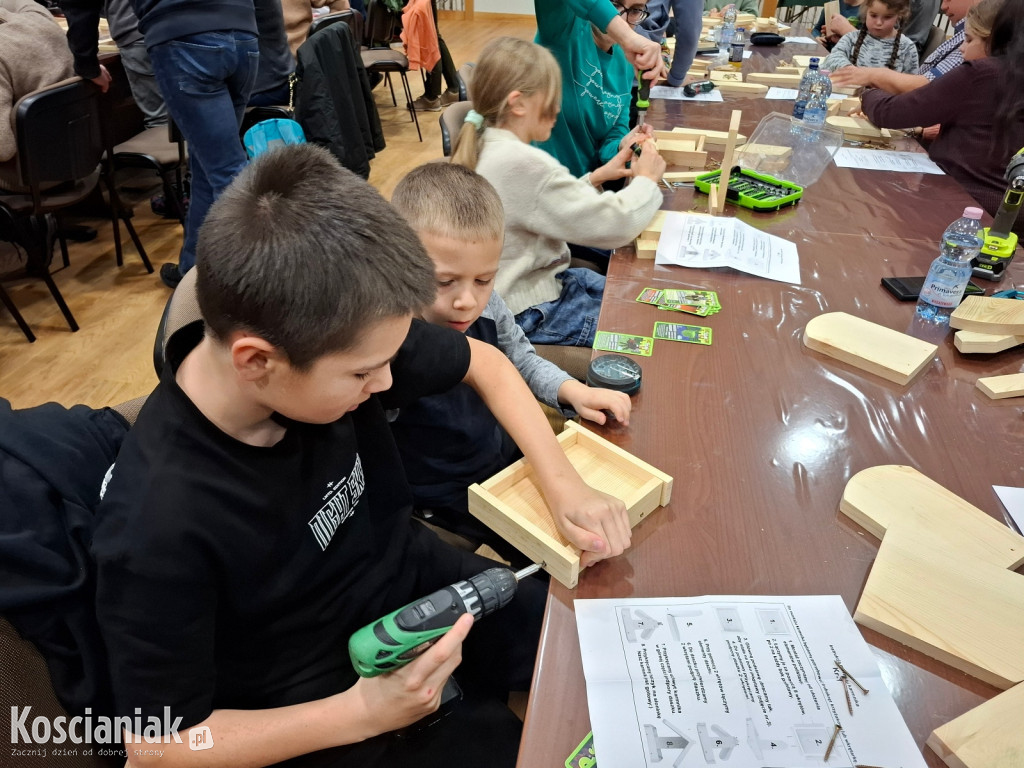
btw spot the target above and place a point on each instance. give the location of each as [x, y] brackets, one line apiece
[516, 92]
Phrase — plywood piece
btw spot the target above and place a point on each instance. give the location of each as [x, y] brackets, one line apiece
[874, 348]
[988, 315]
[972, 342]
[942, 582]
[711, 138]
[999, 387]
[989, 736]
[770, 78]
[858, 128]
[831, 9]
[511, 503]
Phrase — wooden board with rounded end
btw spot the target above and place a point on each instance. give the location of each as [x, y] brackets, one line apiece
[874, 348]
[985, 314]
[942, 582]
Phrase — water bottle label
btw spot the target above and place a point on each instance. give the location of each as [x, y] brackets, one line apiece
[942, 294]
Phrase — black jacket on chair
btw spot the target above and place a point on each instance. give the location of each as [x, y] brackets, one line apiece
[333, 101]
[52, 465]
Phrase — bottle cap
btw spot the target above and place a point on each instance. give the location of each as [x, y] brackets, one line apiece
[972, 213]
[815, 60]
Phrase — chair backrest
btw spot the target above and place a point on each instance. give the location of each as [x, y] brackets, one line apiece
[452, 118]
[465, 74]
[353, 18]
[181, 309]
[936, 36]
[380, 24]
[58, 131]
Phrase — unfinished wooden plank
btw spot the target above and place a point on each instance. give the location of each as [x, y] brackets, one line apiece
[989, 736]
[999, 387]
[771, 78]
[831, 9]
[858, 128]
[726, 75]
[848, 105]
[742, 20]
[766, 24]
[972, 342]
[886, 496]
[690, 176]
[987, 315]
[657, 223]
[874, 348]
[942, 582]
[742, 89]
[680, 153]
[711, 138]
[728, 160]
[804, 61]
[646, 249]
[519, 514]
[782, 70]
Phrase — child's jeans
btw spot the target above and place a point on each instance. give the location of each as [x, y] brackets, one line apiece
[571, 319]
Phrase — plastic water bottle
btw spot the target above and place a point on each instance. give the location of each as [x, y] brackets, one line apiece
[736, 50]
[728, 30]
[804, 94]
[817, 103]
[949, 274]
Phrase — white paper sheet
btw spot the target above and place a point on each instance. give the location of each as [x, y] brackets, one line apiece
[884, 160]
[688, 240]
[803, 41]
[735, 681]
[791, 93]
[1013, 501]
[676, 94]
[746, 54]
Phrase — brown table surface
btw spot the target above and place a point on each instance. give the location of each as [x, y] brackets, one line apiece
[762, 434]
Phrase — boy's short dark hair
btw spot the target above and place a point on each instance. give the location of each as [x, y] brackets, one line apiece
[306, 255]
[450, 200]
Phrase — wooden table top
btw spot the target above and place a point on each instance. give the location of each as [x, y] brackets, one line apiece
[762, 434]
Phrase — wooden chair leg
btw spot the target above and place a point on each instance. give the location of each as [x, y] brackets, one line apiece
[7, 302]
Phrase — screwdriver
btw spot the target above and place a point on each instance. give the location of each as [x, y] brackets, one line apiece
[396, 639]
[643, 98]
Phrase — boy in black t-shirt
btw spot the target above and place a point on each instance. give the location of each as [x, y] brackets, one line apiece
[258, 514]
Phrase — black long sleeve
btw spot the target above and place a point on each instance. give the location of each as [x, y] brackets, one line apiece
[83, 34]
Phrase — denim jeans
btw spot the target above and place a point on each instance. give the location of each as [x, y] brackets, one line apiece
[206, 80]
[571, 319]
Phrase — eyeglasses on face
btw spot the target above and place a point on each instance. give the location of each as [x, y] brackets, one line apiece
[632, 15]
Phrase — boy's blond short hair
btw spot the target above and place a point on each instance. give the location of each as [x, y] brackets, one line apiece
[450, 201]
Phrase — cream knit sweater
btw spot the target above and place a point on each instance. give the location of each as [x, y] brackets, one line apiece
[546, 207]
[33, 54]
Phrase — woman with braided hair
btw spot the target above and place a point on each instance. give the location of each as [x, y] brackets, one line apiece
[879, 42]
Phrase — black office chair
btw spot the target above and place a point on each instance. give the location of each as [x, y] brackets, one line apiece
[59, 163]
[452, 118]
[353, 18]
[380, 58]
[160, 149]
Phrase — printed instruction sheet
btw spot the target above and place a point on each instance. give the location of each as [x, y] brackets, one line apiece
[746, 682]
[692, 240]
[886, 160]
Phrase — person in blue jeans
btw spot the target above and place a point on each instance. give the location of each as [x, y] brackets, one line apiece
[686, 25]
[205, 57]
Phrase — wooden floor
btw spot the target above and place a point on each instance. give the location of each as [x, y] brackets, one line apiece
[110, 359]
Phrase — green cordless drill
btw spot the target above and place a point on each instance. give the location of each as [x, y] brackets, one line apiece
[396, 639]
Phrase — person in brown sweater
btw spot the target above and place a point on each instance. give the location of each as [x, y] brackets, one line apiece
[298, 15]
[33, 55]
[980, 105]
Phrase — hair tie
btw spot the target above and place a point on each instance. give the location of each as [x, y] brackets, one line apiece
[475, 118]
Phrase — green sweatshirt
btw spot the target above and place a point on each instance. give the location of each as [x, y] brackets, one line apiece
[596, 85]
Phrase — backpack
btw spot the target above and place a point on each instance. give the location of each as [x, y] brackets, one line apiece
[268, 134]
